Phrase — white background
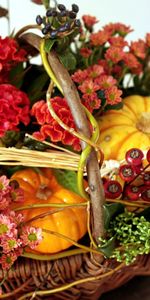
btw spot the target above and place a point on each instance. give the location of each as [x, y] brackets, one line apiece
[135, 13]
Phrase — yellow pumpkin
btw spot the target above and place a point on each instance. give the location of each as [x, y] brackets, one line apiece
[126, 128]
[44, 188]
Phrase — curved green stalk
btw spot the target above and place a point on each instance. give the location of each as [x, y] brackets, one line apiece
[51, 257]
[85, 153]
[47, 66]
[43, 205]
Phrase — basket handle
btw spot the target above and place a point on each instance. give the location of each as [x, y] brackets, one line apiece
[82, 125]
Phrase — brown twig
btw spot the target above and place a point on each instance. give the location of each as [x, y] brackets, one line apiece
[82, 125]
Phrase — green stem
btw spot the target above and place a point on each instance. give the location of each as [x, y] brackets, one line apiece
[43, 205]
[47, 66]
[85, 153]
[51, 257]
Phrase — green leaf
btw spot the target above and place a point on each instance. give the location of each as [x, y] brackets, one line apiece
[12, 170]
[111, 211]
[49, 44]
[115, 106]
[13, 138]
[17, 74]
[68, 179]
[35, 88]
[108, 248]
[68, 59]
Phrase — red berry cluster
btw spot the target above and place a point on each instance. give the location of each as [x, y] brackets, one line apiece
[136, 178]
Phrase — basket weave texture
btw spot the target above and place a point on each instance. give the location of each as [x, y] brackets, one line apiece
[32, 275]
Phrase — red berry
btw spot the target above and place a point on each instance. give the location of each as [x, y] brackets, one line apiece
[127, 172]
[148, 156]
[113, 189]
[134, 156]
[133, 192]
[146, 178]
[145, 195]
[138, 169]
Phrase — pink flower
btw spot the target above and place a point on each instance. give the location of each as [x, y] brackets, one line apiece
[31, 236]
[99, 38]
[138, 48]
[80, 75]
[105, 81]
[89, 21]
[94, 71]
[91, 101]
[112, 95]
[4, 185]
[7, 226]
[17, 195]
[114, 54]
[88, 87]
[8, 244]
[118, 41]
[4, 193]
[7, 260]
[85, 52]
[148, 39]
[131, 61]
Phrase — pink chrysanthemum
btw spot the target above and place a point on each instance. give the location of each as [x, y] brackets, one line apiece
[112, 95]
[132, 63]
[117, 41]
[88, 87]
[80, 75]
[99, 38]
[114, 54]
[105, 81]
[7, 226]
[85, 52]
[8, 244]
[89, 21]
[91, 101]
[147, 39]
[94, 71]
[31, 236]
[8, 259]
[138, 48]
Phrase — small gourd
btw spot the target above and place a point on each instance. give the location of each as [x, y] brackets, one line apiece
[42, 187]
[129, 127]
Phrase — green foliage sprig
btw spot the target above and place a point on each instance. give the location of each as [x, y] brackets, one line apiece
[132, 233]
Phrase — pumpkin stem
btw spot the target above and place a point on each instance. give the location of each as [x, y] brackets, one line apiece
[143, 123]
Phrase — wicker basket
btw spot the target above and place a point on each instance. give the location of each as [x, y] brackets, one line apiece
[83, 276]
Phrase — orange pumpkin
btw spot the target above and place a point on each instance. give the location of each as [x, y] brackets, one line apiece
[126, 128]
[43, 188]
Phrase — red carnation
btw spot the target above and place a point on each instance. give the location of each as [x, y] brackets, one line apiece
[14, 108]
